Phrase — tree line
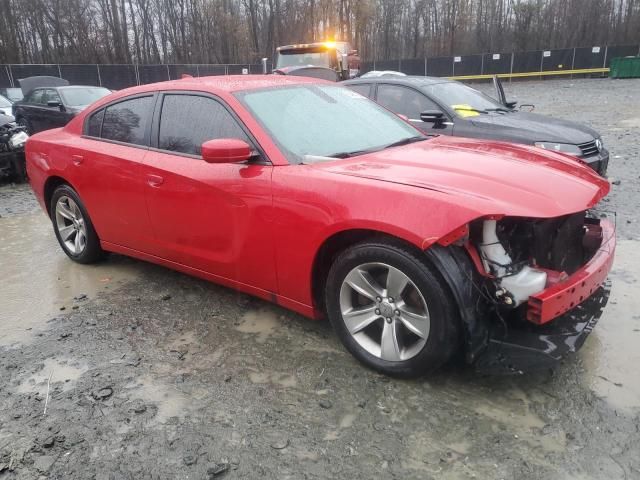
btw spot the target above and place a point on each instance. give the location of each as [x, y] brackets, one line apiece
[239, 31]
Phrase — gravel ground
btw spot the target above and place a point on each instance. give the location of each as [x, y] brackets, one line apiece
[129, 370]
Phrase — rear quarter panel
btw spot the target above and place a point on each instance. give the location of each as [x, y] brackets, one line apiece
[46, 156]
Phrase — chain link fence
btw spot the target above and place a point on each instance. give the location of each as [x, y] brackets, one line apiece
[508, 63]
[117, 77]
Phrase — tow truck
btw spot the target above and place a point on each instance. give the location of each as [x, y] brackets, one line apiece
[333, 61]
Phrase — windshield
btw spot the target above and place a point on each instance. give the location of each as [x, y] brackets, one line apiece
[4, 102]
[82, 96]
[465, 101]
[308, 121]
[316, 56]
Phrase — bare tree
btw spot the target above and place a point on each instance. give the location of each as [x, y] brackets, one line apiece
[238, 31]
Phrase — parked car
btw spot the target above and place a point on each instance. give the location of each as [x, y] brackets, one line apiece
[304, 193]
[12, 94]
[446, 107]
[12, 141]
[49, 104]
[5, 106]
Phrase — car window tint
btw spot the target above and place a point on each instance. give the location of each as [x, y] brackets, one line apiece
[95, 123]
[404, 101]
[36, 96]
[126, 121]
[187, 121]
[51, 95]
[361, 89]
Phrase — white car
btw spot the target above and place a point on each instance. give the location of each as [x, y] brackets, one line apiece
[5, 106]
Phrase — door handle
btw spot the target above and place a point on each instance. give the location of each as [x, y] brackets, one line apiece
[77, 159]
[154, 180]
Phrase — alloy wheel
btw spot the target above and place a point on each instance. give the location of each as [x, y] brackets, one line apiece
[384, 311]
[71, 225]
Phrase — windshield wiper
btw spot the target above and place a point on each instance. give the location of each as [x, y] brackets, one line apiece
[498, 109]
[405, 141]
[351, 154]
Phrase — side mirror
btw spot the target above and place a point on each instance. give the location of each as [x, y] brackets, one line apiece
[53, 103]
[225, 150]
[510, 104]
[432, 116]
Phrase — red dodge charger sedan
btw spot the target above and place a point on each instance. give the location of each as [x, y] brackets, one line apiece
[311, 196]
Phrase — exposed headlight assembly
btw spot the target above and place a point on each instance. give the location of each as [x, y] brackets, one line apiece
[18, 140]
[560, 147]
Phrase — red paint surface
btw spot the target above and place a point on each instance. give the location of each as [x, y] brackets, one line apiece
[259, 228]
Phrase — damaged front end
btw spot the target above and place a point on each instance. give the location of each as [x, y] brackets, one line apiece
[536, 289]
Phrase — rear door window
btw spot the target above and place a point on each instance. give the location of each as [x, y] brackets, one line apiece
[362, 89]
[405, 101]
[94, 125]
[127, 121]
[36, 97]
[187, 121]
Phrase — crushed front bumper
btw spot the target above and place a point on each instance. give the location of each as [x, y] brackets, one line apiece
[515, 350]
[559, 318]
[562, 297]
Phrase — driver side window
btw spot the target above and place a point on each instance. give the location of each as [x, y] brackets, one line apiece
[187, 121]
[404, 101]
[36, 96]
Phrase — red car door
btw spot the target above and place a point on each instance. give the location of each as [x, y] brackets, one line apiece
[212, 217]
[107, 170]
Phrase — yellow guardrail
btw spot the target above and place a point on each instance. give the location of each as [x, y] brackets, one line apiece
[531, 74]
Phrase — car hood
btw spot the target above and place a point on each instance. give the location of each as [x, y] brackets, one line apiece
[530, 127]
[489, 177]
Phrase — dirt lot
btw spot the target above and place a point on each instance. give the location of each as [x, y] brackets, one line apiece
[153, 374]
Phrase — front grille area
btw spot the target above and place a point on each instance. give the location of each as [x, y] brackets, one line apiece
[588, 148]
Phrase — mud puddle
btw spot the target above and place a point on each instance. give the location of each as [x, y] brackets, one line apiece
[65, 371]
[612, 354]
[39, 281]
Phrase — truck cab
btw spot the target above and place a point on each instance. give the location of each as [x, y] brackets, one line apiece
[328, 60]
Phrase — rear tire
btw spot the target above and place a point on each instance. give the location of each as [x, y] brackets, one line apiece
[73, 228]
[391, 309]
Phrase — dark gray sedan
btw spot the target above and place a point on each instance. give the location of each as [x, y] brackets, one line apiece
[445, 107]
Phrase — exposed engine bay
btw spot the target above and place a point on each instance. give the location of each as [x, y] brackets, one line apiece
[537, 289]
[525, 256]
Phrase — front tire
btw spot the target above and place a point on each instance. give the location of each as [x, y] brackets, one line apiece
[391, 309]
[73, 227]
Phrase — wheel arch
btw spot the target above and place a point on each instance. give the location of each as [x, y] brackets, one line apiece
[50, 186]
[335, 244]
[451, 262]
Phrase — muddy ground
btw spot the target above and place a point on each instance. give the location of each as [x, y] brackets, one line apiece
[153, 374]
